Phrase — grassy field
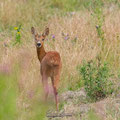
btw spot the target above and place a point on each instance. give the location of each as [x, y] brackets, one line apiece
[80, 30]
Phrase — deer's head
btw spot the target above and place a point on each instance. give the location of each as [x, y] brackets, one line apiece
[39, 39]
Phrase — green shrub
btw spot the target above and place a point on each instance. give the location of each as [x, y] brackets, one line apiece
[95, 76]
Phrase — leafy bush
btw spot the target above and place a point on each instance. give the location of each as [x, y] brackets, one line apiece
[95, 76]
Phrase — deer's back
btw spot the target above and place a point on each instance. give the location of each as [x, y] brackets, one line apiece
[51, 63]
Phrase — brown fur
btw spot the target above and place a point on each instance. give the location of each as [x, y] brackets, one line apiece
[50, 64]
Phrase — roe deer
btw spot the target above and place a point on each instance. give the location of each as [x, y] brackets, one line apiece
[50, 64]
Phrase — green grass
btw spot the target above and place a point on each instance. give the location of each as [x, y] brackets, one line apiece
[8, 97]
[92, 115]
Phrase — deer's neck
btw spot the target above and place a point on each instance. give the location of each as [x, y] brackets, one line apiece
[41, 53]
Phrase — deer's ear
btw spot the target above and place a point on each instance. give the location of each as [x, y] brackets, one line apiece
[46, 32]
[33, 30]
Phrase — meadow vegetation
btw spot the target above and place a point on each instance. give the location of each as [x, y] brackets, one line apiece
[80, 30]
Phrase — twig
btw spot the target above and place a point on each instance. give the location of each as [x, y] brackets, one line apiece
[59, 115]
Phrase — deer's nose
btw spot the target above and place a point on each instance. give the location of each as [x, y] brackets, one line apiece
[39, 44]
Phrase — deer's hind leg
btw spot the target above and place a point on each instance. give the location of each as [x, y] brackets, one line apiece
[55, 82]
[45, 86]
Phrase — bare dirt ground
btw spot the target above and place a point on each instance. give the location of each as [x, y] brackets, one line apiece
[76, 107]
